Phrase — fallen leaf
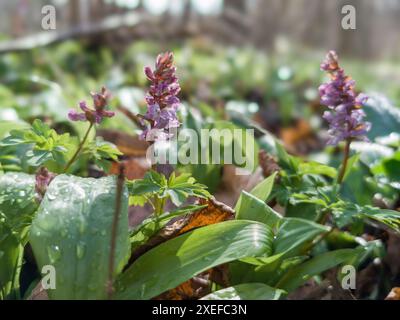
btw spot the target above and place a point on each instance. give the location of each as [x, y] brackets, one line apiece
[394, 294]
[134, 168]
[130, 146]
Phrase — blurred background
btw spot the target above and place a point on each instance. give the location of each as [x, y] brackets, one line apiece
[241, 63]
[259, 58]
[311, 23]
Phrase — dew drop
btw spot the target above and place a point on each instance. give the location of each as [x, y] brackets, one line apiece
[80, 250]
[54, 253]
[51, 196]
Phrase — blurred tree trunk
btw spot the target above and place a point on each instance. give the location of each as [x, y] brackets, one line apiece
[265, 22]
[239, 5]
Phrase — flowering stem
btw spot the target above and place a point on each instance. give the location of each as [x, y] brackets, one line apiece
[79, 148]
[344, 162]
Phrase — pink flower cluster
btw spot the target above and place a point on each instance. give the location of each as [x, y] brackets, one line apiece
[162, 100]
[345, 117]
[95, 114]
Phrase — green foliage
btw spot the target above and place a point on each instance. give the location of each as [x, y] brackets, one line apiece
[246, 291]
[11, 252]
[17, 201]
[190, 254]
[293, 233]
[102, 153]
[39, 144]
[225, 139]
[150, 226]
[17, 207]
[303, 272]
[229, 89]
[264, 188]
[155, 185]
[72, 232]
[349, 212]
[389, 167]
[386, 115]
[249, 207]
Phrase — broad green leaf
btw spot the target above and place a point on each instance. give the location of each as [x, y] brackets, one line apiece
[246, 291]
[263, 189]
[300, 274]
[385, 116]
[190, 254]
[271, 272]
[72, 232]
[390, 167]
[372, 249]
[17, 200]
[251, 208]
[286, 161]
[10, 256]
[317, 168]
[293, 233]
[358, 187]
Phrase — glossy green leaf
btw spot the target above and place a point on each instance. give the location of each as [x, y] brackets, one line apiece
[385, 116]
[72, 232]
[263, 189]
[317, 168]
[249, 207]
[293, 233]
[190, 254]
[10, 256]
[17, 200]
[300, 274]
[246, 291]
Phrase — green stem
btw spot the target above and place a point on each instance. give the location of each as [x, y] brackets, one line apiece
[159, 205]
[344, 162]
[79, 148]
[114, 231]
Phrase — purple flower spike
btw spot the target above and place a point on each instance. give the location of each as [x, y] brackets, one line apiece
[345, 117]
[95, 115]
[162, 101]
